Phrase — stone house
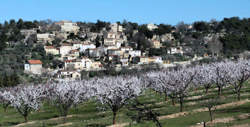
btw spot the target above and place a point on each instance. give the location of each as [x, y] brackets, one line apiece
[96, 65]
[109, 42]
[152, 26]
[147, 60]
[68, 26]
[33, 66]
[143, 60]
[45, 37]
[95, 52]
[51, 50]
[124, 61]
[116, 27]
[74, 52]
[27, 32]
[135, 53]
[167, 37]
[86, 62]
[84, 47]
[69, 74]
[65, 49]
[69, 57]
[73, 64]
[117, 52]
[176, 50]
[156, 44]
[155, 59]
[126, 49]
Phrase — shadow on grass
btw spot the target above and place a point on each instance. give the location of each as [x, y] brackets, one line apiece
[9, 124]
[96, 125]
[239, 109]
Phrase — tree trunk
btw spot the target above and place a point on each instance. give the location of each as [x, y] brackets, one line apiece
[64, 114]
[210, 114]
[206, 90]
[5, 109]
[114, 117]
[204, 124]
[181, 104]
[219, 91]
[173, 102]
[5, 106]
[238, 95]
[166, 97]
[238, 91]
[64, 119]
[158, 124]
[25, 119]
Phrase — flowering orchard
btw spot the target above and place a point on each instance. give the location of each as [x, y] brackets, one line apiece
[116, 92]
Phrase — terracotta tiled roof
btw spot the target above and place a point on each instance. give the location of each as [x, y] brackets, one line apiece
[35, 62]
[69, 61]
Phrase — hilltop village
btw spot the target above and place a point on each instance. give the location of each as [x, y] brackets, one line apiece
[67, 50]
[78, 49]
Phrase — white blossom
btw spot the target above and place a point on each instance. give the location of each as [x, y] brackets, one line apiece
[25, 98]
[65, 94]
[116, 91]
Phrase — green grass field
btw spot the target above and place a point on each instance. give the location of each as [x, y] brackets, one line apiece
[87, 114]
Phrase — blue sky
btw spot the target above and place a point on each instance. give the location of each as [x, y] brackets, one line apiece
[141, 11]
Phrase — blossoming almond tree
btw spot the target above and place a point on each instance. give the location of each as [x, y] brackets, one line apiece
[204, 77]
[25, 99]
[117, 91]
[159, 81]
[180, 82]
[222, 78]
[65, 94]
[5, 96]
[240, 73]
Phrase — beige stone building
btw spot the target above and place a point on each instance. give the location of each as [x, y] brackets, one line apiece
[152, 26]
[176, 50]
[144, 60]
[167, 37]
[116, 27]
[51, 50]
[65, 49]
[96, 65]
[27, 32]
[68, 26]
[117, 52]
[156, 44]
[74, 52]
[147, 60]
[73, 64]
[45, 37]
[70, 74]
[33, 66]
[109, 42]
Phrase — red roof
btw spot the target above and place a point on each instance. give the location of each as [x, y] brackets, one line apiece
[69, 61]
[35, 62]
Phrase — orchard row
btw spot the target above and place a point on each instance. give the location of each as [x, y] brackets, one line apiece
[115, 92]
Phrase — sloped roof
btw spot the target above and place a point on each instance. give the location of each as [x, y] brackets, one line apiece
[35, 62]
